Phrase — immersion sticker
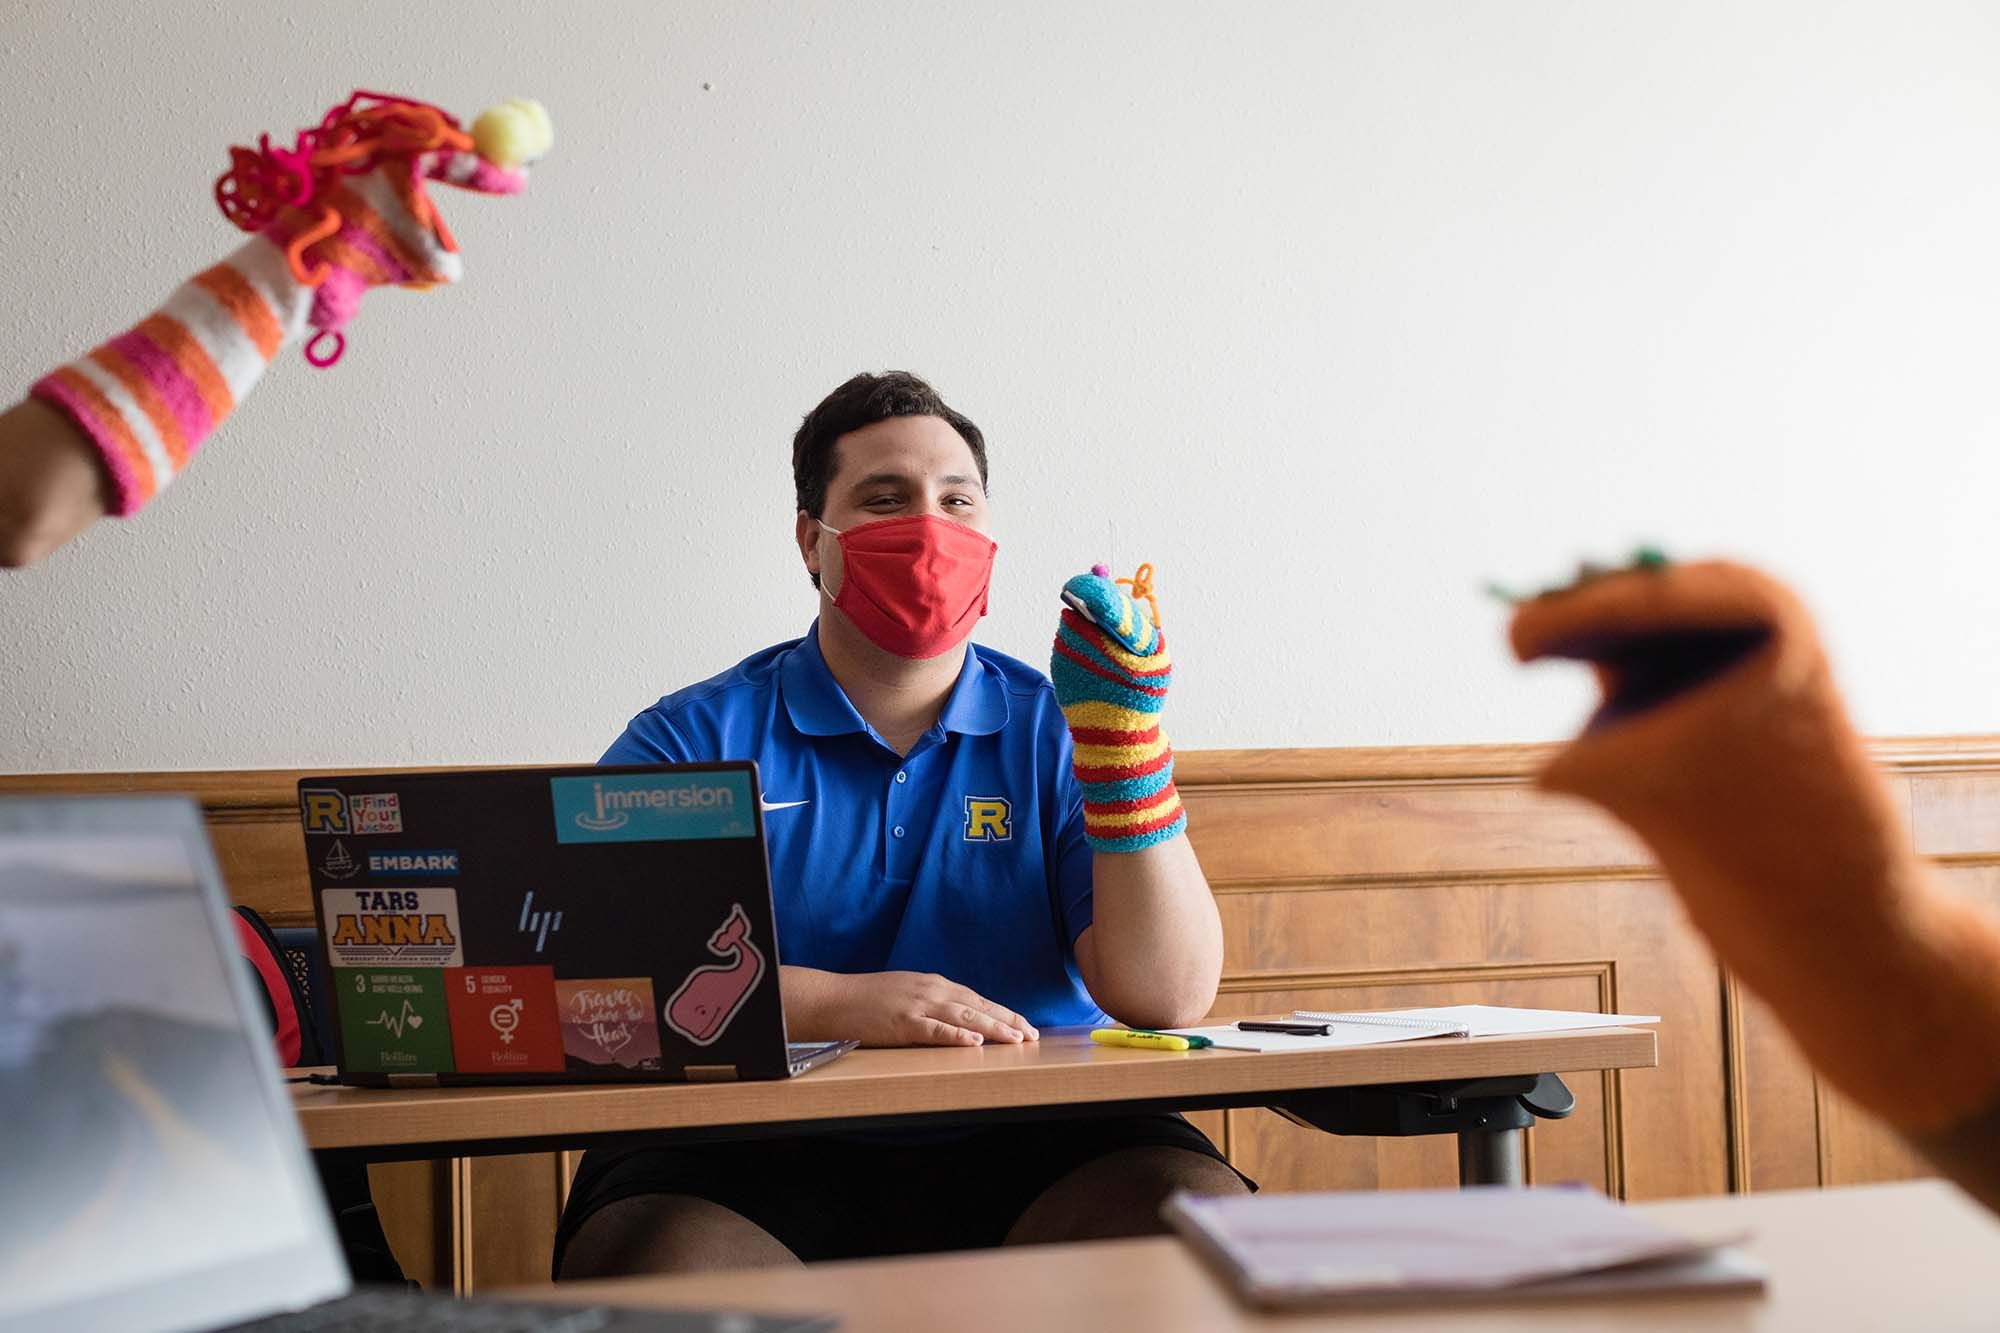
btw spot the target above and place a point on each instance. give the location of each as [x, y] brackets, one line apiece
[654, 807]
[503, 1019]
[394, 1021]
[607, 1022]
[406, 927]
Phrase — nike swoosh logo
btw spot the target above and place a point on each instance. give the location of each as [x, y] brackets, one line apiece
[780, 805]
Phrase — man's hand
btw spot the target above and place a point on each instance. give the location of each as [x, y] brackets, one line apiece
[894, 1009]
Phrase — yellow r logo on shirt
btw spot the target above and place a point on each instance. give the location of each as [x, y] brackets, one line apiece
[988, 819]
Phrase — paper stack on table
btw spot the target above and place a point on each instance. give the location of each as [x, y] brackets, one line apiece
[1385, 1025]
[1414, 1246]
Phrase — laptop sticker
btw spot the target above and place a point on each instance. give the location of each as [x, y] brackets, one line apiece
[607, 1023]
[701, 1009]
[654, 807]
[413, 865]
[339, 862]
[503, 1019]
[330, 810]
[394, 1022]
[401, 927]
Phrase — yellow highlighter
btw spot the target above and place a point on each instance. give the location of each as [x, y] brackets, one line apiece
[1145, 1041]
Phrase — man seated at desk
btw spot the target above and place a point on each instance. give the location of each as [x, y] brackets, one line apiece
[942, 875]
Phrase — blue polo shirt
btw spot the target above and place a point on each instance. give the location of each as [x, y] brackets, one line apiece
[965, 857]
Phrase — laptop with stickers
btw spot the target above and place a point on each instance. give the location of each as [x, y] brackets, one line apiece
[152, 1174]
[549, 925]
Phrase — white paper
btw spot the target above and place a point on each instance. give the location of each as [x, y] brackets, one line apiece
[1232, 1038]
[1486, 1020]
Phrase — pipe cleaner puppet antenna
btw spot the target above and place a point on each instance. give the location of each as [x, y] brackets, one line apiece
[344, 209]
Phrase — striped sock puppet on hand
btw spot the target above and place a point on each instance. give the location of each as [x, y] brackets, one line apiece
[1111, 671]
[343, 211]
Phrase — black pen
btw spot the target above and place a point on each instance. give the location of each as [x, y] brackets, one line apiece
[1290, 1029]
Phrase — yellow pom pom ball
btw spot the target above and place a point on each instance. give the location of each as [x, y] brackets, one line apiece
[516, 131]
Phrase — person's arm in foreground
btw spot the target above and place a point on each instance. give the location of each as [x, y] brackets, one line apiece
[51, 484]
[1724, 745]
[347, 210]
[1152, 956]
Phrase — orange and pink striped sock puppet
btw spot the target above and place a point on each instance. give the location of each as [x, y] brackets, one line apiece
[343, 211]
[1112, 671]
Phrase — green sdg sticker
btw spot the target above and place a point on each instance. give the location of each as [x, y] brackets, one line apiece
[393, 1021]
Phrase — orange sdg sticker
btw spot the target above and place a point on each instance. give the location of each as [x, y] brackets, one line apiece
[503, 1019]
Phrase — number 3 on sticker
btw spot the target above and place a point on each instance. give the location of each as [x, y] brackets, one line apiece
[360, 986]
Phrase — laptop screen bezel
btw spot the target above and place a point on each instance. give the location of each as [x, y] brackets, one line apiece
[247, 1286]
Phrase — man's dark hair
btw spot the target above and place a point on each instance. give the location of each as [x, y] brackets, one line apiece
[863, 401]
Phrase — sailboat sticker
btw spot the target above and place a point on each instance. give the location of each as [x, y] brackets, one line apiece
[338, 864]
[701, 1009]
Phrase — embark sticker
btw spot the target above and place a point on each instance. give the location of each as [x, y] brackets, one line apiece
[413, 865]
[405, 927]
[654, 807]
[503, 1019]
[393, 1022]
[607, 1022]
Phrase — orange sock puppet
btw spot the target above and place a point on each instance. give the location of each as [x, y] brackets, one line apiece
[1723, 743]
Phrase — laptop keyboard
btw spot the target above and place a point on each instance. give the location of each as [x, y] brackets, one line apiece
[409, 1312]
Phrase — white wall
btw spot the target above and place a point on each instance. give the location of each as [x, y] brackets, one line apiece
[1331, 311]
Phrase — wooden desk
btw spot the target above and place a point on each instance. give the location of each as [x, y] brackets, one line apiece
[1891, 1257]
[1064, 1073]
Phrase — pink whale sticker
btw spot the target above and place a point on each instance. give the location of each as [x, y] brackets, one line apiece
[705, 1003]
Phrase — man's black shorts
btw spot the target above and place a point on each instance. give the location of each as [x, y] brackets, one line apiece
[848, 1198]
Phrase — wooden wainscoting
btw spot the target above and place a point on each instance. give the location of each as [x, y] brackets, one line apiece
[1346, 879]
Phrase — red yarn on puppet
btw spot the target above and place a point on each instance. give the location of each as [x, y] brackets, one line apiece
[294, 196]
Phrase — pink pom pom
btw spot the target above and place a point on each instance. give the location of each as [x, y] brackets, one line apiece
[1102, 571]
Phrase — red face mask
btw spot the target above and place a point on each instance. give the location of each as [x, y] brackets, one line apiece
[914, 585]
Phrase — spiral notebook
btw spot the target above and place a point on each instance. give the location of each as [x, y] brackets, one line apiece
[1435, 1246]
[1376, 1027]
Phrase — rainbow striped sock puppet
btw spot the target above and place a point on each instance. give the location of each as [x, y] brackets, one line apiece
[1112, 671]
[342, 211]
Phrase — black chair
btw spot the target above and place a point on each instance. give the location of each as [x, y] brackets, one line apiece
[299, 946]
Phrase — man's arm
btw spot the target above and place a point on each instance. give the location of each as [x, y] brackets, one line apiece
[1152, 953]
[52, 486]
[1152, 957]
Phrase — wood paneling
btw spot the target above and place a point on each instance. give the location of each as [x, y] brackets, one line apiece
[414, 1200]
[523, 1194]
[1346, 878]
